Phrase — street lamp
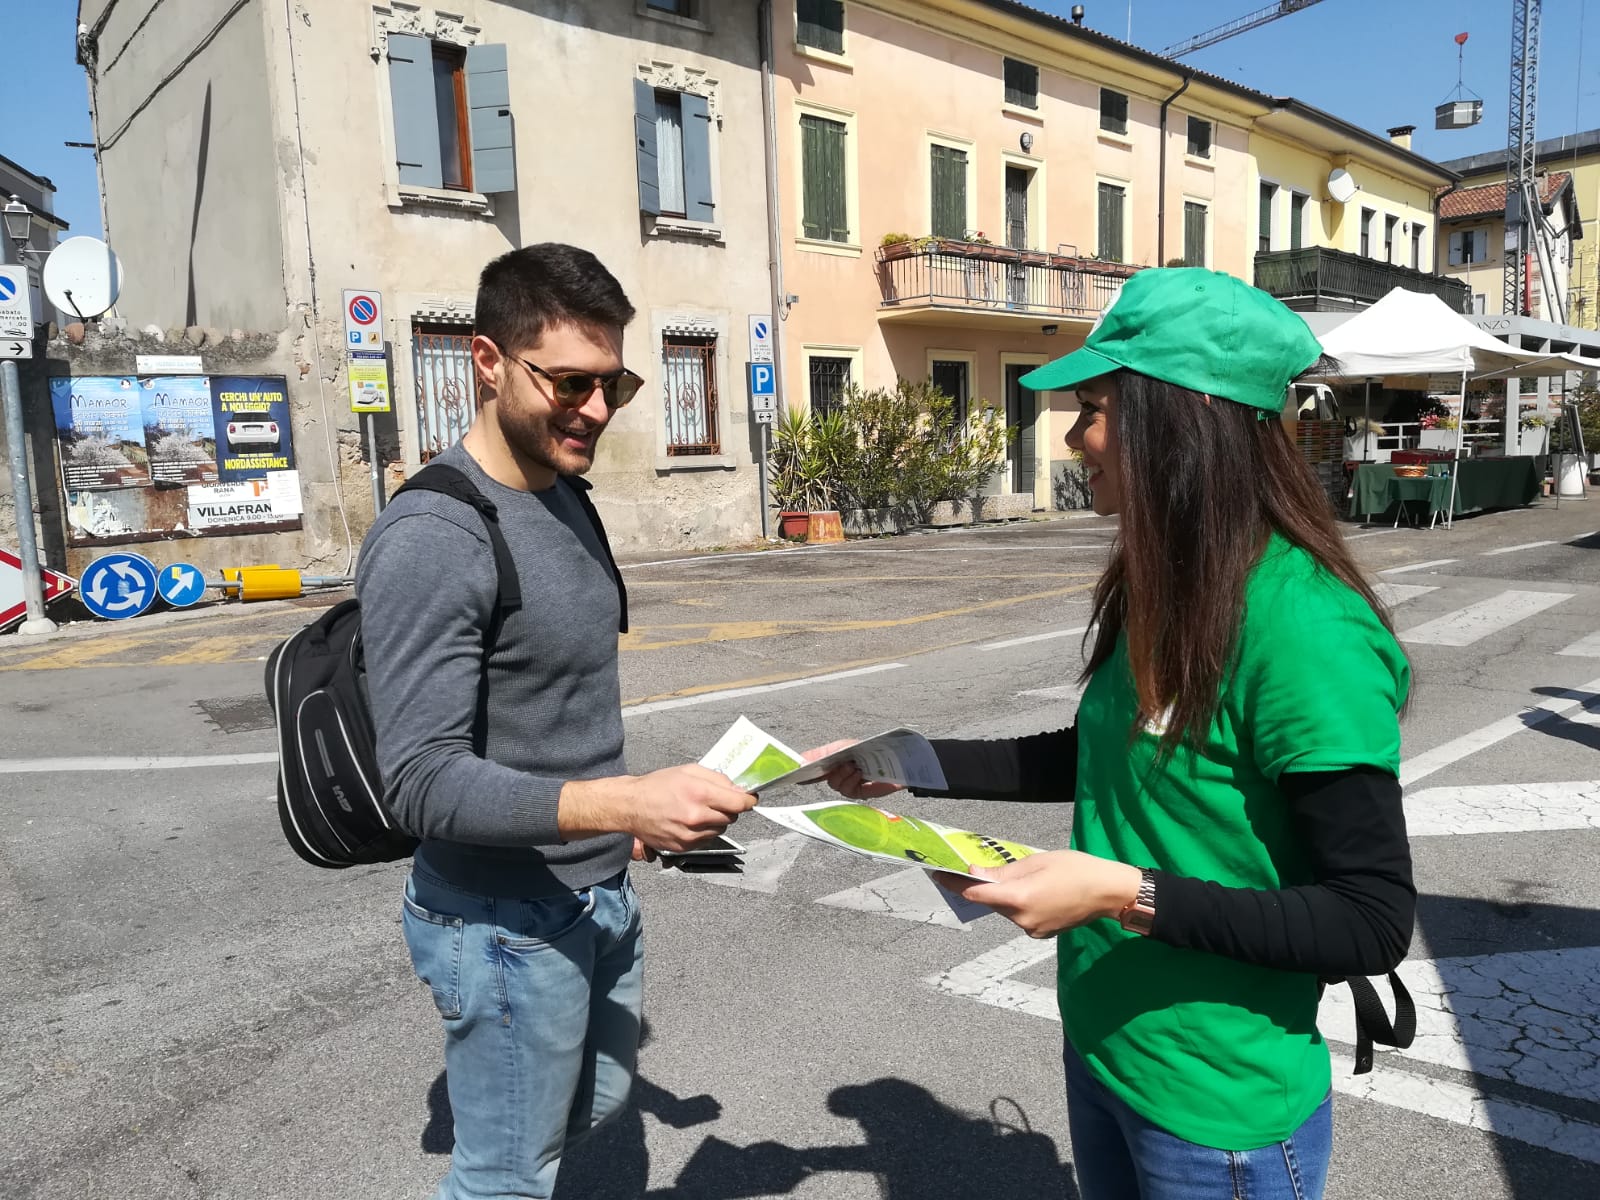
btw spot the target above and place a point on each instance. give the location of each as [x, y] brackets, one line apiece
[19, 222]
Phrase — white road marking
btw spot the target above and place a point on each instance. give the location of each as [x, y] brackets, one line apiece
[765, 865]
[1356, 537]
[1514, 549]
[910, 895]
[1566, 701]
[638, 710]
[1067, 691]
[1503, 808]
[987, 978]
[1422, 566]
[1507, 1016]
[1398, 593]
[1477, 621]
[1588, 647]
[1032, 637]
[145, 762]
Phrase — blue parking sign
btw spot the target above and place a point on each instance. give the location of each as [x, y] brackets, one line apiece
[762, 380]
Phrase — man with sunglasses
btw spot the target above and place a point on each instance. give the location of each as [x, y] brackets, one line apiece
[500, 737]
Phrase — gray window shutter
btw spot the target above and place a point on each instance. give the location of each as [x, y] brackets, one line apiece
[416, 117]
[494, 167]
[644, 149]
[698, 203]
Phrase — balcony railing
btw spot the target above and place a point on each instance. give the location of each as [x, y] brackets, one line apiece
[1319, 278]
[943, 273]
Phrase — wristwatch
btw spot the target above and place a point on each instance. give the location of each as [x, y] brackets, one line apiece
[1140, 916]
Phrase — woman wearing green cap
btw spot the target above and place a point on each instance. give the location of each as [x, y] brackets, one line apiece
[1238, 832]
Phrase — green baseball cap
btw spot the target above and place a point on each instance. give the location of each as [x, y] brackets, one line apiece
[1197, 329]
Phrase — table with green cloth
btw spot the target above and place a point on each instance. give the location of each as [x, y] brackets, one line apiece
[1480, 483]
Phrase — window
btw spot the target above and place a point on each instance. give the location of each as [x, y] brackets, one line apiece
[820, 25]
[689, 391]
[677, 8]
[1194, 234]
[452, 115]
[1416, 246]
[1199, 138]
[1022, 84]
[1269, 201]
[1480, 304]
[1469, 246]
[1367, 218]
[953, 377]
[825, 198]
[1388, 237]
[1019, 182]
[672, 150]
[830, 380]
[1297, 219]
[447, 386]
[1112, 214]
[949, 191]
[1113, 111]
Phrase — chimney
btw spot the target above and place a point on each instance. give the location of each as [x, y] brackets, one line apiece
[1077, 14]
[1400, 135]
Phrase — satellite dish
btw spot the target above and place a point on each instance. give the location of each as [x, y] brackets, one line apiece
[82, 276]
[1341, 186]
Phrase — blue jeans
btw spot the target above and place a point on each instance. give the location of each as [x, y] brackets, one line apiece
[1119, 1155]
[541, 1003]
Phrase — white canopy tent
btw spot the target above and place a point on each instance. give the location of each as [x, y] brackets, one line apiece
[1410, 336]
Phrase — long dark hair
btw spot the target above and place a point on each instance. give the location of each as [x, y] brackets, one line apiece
[1205, 481]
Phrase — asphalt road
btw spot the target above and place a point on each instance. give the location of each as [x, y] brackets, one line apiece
[188, 1011]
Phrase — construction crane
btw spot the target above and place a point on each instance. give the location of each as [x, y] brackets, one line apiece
[1250, 21]
[1526, 229]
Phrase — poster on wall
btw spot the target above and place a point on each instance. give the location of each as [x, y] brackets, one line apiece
[100, 430]
[251, 415]
[179, 428]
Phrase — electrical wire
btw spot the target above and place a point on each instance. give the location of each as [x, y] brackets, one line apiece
[311, 265]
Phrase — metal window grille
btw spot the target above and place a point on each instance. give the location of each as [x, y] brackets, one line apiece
[689, 391]
[830, 379]
[447, 392]
[1022, 83]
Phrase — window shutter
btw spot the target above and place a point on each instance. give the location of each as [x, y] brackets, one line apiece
[1111, 222]
[811, 181]
[1480, 245]
[1194, 235]
[644, 137]
[494, 167]
[839, 223]
[416, 115]
[949, 180]
[1455, 250]
[699, 205]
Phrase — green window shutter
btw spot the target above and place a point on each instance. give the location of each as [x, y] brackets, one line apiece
[820, 24]
[416, 115]
[697, 158]
[1194, 234]
[824, 208]
[949, 177]
[494, 167]
[1269, 193]
[644, 149]
[1112, 198]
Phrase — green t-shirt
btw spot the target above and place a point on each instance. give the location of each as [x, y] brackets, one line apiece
[1216, 1051]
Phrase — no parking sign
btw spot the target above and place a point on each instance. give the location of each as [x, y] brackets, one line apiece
[363, 319]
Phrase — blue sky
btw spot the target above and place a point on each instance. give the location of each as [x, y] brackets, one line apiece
[1376, 63]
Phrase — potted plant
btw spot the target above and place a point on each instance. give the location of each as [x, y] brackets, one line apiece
[1361, 436]
[897, 245]
[791, 436]
[1533, 434]
[806, 464]
[1438, 431]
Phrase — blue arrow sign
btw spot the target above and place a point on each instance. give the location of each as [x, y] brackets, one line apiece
[117, 586]
[763, 382]
[181, 585]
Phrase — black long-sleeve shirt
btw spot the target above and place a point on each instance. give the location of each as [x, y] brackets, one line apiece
[1355, 918]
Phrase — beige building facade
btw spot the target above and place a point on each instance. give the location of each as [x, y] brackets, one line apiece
[305, 149]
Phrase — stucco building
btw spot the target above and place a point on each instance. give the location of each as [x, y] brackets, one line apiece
[259, 158]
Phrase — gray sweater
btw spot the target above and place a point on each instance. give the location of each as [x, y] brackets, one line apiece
[474, 754]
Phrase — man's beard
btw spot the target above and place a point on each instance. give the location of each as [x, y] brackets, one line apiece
[532, 436]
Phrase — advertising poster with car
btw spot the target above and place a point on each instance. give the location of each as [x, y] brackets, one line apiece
[252, 424]
[100, 429]
[179, 429]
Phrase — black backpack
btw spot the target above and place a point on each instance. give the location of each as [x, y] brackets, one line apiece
[330, 788]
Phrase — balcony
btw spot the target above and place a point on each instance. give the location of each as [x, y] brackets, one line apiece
[1317, 279]
[941, 281]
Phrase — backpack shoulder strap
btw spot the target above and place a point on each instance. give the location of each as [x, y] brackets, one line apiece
[580, 488]
[439, 477]
[1372, 1022]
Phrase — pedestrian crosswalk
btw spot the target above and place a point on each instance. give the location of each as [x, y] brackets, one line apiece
[1477, 621]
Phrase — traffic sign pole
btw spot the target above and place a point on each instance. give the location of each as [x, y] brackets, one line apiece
[22, 495]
